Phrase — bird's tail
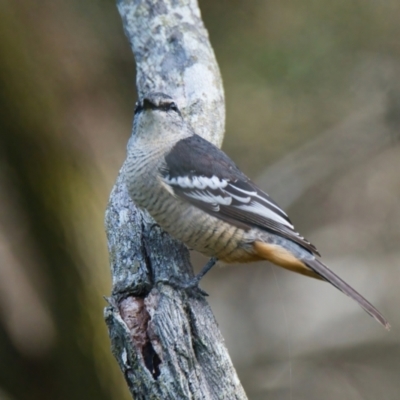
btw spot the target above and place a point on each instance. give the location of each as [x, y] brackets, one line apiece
[326, 274]
[316, 269]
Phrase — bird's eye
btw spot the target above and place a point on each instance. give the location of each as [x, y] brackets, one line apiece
[147, 105]
[138, 107]
[173, 107]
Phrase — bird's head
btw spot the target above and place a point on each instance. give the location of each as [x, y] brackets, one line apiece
[157, 118]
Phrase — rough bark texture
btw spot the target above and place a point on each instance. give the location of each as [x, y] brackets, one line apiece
[166, 341]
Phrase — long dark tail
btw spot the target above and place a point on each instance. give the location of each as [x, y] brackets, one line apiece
[326, 274]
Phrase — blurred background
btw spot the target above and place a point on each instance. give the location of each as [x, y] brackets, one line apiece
[313, 115]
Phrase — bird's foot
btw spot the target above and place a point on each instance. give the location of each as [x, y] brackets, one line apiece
[191, 286]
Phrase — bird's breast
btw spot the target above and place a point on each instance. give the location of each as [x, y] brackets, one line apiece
[199, 230]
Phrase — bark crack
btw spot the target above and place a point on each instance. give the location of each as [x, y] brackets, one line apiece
[135, 315]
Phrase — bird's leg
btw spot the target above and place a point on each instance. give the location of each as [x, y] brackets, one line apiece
[194, 283]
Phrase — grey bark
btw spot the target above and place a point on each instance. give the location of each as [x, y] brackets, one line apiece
[166, 341]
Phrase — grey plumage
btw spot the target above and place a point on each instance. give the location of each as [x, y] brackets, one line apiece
[197, 194]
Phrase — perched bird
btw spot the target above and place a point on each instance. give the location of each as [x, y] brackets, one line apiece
[196, 193]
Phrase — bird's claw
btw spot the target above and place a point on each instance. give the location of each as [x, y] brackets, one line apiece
[189, 286]
[193, 285]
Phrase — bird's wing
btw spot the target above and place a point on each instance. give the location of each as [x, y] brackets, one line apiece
[201, 174]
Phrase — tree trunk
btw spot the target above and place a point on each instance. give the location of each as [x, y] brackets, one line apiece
[166, 341]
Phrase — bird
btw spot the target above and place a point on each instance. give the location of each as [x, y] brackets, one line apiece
[197, 194]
